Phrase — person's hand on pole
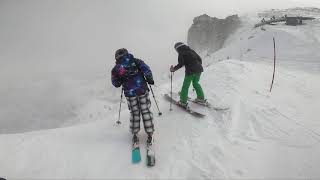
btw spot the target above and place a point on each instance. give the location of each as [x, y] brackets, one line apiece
[172, 68]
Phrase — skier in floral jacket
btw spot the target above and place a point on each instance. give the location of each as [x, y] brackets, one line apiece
[133, 75]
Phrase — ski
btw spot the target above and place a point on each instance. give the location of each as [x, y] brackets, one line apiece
[151, 160]
[136, 156]
[207, 104]
[189, 110]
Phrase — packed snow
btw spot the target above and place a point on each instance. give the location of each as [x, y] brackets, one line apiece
[263, 134]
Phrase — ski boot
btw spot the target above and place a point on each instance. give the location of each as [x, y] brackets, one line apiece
[135, 139]
[149, 140]
[201, 101]
[184, 105]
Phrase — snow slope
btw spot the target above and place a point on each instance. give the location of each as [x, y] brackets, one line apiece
[263, 135]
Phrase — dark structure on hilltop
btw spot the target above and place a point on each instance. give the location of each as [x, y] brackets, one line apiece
[294, 21]
[291, 21]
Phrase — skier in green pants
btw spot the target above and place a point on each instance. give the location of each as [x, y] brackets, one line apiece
[193, 64]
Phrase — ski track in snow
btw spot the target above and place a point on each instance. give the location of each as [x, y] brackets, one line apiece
[261, 135]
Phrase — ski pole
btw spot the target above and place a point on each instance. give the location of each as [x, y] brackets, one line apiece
[274, 62]
[160, 113]
[144, 77]
[171, 91]
[119, 122]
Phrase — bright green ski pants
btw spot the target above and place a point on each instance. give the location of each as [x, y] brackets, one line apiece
[194, 78]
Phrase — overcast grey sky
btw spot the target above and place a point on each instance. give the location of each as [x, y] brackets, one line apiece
[83, 30]
[82, 35]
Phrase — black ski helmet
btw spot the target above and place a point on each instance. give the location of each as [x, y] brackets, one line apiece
[178, 45]
[120, 53]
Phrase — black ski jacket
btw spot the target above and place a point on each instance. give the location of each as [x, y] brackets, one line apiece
[190, 59]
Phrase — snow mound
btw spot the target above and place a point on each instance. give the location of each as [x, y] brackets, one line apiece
[262, 135]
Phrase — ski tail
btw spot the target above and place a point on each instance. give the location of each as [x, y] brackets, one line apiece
[151, 159]
[136, 156]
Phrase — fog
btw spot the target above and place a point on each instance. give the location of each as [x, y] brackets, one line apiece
[86, 33]
[48, 48]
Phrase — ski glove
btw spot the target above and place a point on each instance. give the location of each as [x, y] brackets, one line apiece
[151, 81]
[172, 69]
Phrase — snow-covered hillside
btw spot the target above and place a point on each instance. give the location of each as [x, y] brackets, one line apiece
[263, 135]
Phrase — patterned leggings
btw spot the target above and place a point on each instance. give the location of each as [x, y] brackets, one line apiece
[140, 105]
